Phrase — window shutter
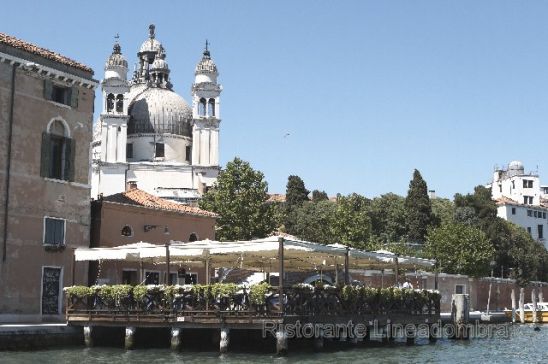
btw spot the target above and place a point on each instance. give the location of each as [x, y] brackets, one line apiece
[74, 92]
[49, 237]
[45, 157]
[48, 87]
[69, 159]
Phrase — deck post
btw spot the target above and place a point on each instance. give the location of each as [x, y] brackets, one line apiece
[460, 315]
[130, 338]
[281, 273]
[513, 298]
[346, 264]
[281, 343]
[521, 303]
[224, 340]
[410, 333]
[319, 341]
[88, 338]
[534, 301]
[175, 338]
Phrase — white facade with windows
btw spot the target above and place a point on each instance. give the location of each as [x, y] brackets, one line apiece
[148, 135]
[521, 199]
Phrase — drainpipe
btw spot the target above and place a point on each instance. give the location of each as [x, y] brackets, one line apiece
[8, 164]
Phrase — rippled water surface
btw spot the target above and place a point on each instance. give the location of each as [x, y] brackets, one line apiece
[523, 345]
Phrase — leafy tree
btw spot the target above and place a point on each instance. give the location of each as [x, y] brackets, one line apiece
[460, 249]
[239, 196]
[351, 223]
[313, 221]
[418, 209]
[318, 195]
[443, 211]
[387, 214]
[296, 193]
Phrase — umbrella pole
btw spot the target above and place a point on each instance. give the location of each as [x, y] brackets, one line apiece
[168, 265]
[346, 263]
[281, 273]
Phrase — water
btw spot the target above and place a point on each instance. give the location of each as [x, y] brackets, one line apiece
[523, 345]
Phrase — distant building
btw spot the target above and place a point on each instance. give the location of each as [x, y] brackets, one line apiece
[137, 216]
[148, 134]
[521, 199]
[46, 113]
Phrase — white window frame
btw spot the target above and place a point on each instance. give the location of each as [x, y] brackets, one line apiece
[61, 278]
[64, 231]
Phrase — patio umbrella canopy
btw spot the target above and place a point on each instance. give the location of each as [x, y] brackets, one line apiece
[257, 254]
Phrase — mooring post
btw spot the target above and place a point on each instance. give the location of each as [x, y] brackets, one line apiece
[281, 342]
[388, 331]
[460, 314]
[129, 341]
[281, 273]
[521, 304]
[88, 339]
[513, 298]
[534, 301]
[175, 338]
[224, 340]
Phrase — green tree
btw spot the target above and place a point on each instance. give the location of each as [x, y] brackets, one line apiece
[318, 195]
[387, 214]
[239, 197]
[460, 249]
[313, 221]
[351, 223]
[443, 211]
[418, 209]
[296, 193]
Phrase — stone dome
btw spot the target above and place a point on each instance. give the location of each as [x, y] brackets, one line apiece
[116, 58]
[515, 165]
[159, 64]
[151, 45]
[159, 110]
[206, 65]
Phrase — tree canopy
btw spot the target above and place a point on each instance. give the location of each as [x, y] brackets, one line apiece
[239, 197]
[418, 209]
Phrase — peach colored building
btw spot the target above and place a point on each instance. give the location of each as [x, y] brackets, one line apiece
[46, 111]
[134, 216]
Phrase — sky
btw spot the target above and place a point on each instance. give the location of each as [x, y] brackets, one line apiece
[351, 96]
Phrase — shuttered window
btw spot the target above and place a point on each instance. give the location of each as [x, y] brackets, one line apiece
[61, 94]
[57, 155]
[54, 231]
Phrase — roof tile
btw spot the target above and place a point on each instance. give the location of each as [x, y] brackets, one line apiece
[138, 197]
[43, 52]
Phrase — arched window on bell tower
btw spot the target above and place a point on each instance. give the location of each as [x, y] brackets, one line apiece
[120, 103]
[211, 107]
[202, 107]
[110, 102]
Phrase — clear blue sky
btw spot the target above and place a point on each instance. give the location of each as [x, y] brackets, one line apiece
[368, 90]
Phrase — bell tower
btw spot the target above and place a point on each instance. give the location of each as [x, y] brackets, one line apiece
[109, 157]
[206, 113]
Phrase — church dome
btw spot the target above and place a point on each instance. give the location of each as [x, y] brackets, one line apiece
[150, 45]
[159, 64]
[116, 58]
[159, 110]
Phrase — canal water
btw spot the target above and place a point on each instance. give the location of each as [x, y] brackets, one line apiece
[523, 345]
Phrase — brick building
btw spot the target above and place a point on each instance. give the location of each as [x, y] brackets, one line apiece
[46, 112]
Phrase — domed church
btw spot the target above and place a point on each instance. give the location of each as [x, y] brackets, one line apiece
[148, 136]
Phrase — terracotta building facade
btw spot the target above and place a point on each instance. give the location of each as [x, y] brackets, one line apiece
[136, 216]
[46, 113]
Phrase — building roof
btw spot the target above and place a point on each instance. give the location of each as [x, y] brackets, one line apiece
[137, 197]
[276, 197]
[42, 52]
[503, 200]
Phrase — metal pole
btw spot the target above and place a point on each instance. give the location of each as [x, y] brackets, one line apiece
[397, 272]
[281, 272]
[73, 267]
[346, 263]
[168, 265]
